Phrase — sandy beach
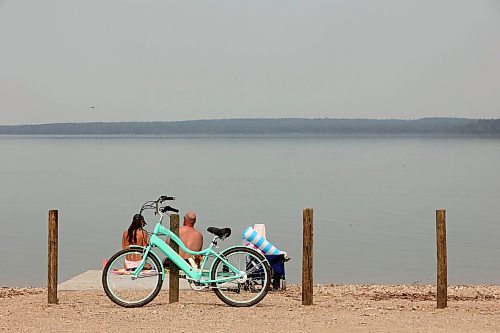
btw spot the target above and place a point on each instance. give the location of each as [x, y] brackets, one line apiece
[337, 308]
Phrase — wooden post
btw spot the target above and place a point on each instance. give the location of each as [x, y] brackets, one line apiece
[442, 271]
[307, 257]
[52, 257]
[173, 290]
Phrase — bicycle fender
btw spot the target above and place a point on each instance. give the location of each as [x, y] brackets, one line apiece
[260, 255]
[246, 247]
[154, 254]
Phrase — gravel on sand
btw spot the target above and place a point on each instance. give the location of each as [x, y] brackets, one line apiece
[337, 308]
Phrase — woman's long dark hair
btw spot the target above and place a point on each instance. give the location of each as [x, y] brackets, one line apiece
[137, 223]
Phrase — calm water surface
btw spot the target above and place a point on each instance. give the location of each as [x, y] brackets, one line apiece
[374, 200]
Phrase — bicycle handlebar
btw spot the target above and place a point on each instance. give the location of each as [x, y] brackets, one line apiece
[161, 210]
[168, 208]
[156, 205]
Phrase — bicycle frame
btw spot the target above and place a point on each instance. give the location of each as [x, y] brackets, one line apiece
[194, 274]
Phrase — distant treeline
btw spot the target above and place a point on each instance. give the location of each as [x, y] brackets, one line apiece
[265, 126]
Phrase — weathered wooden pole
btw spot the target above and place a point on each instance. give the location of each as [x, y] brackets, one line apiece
[442, 271]
[173, 289]
[307, 257]
[52, 257]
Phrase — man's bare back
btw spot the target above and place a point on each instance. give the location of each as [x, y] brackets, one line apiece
[192, 238]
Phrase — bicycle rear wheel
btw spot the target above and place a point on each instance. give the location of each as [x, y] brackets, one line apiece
[252, 287]
[125, 290]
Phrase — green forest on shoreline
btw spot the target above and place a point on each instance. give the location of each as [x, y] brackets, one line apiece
[441, 126]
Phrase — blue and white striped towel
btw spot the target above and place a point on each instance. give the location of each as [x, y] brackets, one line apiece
[260, 242]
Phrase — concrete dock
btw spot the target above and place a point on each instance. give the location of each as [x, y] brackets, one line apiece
[91, 280]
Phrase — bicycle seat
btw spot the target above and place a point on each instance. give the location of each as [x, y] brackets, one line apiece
[220, 232]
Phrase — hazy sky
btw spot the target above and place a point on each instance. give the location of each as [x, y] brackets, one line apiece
[140, 60]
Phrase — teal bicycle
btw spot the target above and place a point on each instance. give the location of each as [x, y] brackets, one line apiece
[239, 275]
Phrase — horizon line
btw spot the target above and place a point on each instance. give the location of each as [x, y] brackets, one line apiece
[225, 119]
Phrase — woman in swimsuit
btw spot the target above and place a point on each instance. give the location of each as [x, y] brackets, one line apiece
[135, 235]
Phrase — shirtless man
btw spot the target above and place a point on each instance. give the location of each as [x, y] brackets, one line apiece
[192, 238]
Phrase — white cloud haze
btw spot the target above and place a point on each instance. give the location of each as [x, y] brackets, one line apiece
[173, 60]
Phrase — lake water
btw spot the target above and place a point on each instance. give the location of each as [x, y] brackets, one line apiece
[374, 200]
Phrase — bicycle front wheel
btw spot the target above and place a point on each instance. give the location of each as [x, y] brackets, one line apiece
[122, 287]
[247, 290]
